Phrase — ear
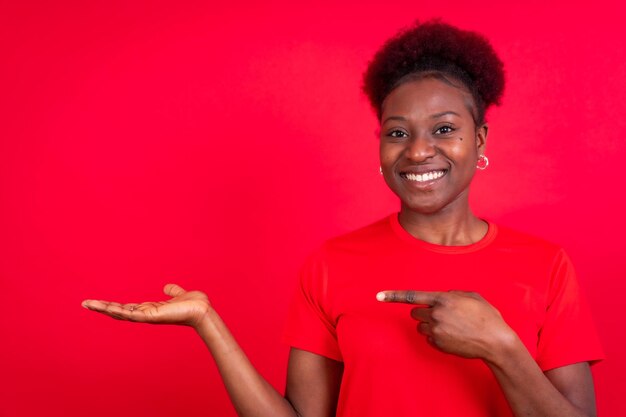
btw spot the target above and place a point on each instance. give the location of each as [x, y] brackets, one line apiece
[481, 138]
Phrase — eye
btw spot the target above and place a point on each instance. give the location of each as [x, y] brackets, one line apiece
[444, 130]
[397, 134]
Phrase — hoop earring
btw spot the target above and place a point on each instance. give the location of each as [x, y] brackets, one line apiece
[381, 170]
[483, 162]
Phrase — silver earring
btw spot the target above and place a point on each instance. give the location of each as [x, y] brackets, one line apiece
[381, 170]
[483, 162]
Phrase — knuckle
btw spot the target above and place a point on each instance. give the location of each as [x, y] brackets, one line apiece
[443, 299]
[473, 294]
[436, 331]
[436, 315]
[450, 302]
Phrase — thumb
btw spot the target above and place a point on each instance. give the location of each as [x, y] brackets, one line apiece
[173, 290]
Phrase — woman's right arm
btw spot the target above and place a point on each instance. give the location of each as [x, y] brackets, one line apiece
[312, 381]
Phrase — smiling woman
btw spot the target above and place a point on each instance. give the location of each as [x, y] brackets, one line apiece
[473, 289]
[423, 154]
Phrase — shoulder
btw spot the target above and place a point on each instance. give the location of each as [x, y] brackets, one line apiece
[508, 239]
[366, 241]
[532, 258]
[371, 236]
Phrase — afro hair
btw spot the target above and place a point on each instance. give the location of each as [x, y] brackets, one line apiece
[434, 47]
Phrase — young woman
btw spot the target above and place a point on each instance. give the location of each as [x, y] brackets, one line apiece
[431, 311]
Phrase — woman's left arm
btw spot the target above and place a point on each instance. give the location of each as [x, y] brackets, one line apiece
[465, 324]
[565, 391]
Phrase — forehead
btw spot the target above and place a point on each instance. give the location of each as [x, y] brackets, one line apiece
[426, 96]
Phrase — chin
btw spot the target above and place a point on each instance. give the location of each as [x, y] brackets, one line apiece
[423, 207]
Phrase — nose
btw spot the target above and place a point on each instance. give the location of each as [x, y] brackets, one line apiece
[420, 148]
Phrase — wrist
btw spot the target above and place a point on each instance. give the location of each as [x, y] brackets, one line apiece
[204, 320]
[214, 333]
[506, 346]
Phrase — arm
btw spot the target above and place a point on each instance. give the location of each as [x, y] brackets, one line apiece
[250, 393]
[466, 325]
[312, 380]
[564, 391]
[317, 393]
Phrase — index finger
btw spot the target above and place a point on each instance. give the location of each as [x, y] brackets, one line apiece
[429, 298]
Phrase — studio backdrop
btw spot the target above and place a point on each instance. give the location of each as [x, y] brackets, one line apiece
[216, 144]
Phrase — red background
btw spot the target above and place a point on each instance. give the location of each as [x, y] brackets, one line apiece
[215, 145]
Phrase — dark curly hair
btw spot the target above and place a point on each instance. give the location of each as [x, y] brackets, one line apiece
[437, 49]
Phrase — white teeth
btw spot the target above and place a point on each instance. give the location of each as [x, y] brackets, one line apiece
[429, 176]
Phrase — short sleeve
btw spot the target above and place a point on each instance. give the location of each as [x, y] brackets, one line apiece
[568, 334]
[309, 325]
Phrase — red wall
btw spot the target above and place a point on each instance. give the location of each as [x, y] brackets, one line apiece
[144, 142]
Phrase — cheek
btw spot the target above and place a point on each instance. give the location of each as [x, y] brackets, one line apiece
[387, 153]
[462, 151]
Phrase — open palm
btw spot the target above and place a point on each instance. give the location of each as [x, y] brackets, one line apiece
[185, 308]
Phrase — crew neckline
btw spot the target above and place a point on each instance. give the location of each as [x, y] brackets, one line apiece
[405, 236]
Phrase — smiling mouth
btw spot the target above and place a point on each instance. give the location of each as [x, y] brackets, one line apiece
[424, 177]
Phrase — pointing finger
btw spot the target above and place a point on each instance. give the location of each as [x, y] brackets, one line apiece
[409, 297]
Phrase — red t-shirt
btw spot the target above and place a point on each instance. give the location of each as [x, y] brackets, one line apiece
[389, 368]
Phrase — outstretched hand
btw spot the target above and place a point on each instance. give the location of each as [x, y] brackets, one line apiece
[458, 322]
[184, 308]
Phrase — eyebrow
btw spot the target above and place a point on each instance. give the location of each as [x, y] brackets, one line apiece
[444, 113]
[400, 118]
[432, 116]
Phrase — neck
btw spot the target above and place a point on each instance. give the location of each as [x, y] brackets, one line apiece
[447, 228]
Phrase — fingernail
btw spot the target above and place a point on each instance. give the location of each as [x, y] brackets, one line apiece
[380, 296]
